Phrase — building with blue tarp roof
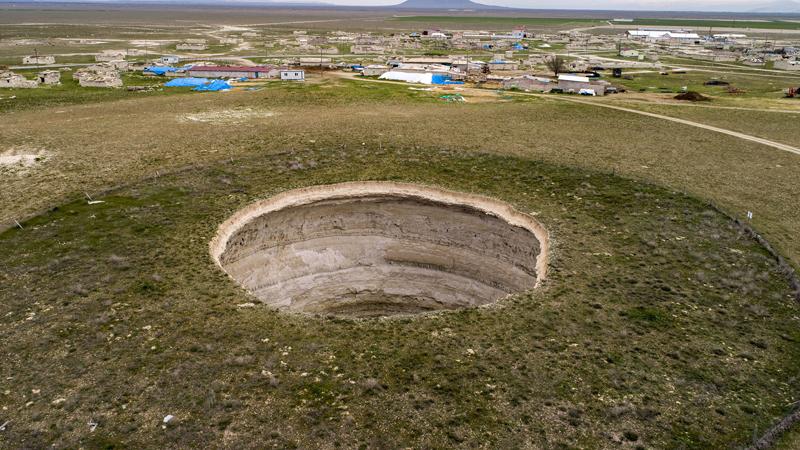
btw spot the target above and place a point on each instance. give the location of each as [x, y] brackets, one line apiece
[187, 82]
[214, 86]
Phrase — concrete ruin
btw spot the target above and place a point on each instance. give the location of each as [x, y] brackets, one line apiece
[38, 60]
[374, 249]
[110, 55]
[98, 75]
[100, 80]
[49, 77]
[10, 79]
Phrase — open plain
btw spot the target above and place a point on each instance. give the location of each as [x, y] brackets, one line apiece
[669, 316]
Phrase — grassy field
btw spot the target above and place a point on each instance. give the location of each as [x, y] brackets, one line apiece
[705, 23]
[662, 325]
[773, 125]
[750, 85]
[70, 93]
[93, 143]
[658, 315]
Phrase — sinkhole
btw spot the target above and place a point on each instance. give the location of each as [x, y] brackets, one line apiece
[373, 249]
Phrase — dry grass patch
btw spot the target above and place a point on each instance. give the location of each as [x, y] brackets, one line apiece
[20, 159]
[227, 116]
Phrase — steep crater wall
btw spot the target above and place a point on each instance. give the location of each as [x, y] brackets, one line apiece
[378, 248]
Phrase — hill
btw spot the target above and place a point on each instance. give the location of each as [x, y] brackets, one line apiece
[445, 4]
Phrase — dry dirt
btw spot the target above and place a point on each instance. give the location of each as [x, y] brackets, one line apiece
[226, 116]
[21, 158]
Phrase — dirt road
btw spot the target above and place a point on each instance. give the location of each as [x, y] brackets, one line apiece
[747, 137]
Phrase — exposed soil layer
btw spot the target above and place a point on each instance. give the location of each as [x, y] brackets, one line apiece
[378, 249]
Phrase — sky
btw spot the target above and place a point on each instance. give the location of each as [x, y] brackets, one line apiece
[640, 5]
[748, 6]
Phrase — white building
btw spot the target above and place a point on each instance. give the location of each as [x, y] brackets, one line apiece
[169, 59]
[374, 70]
[293, 75]
[662, 35]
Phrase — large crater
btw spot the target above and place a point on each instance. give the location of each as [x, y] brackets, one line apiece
[379, 248]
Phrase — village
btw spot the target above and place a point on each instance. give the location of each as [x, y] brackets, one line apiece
[591, 62]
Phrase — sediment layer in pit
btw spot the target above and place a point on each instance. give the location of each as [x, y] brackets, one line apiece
[380, 248]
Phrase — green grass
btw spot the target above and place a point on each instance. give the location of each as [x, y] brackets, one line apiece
[775, 126]
[70, 93]
[658, 315]
[753, 85]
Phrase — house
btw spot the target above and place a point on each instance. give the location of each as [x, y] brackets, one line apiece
[49, 77]
[169, 59]
[662, 35]
[110, 55]
[502, 65]
[99, 79]
[231, 71]
[103, 81]
[648, 35]
[529, 83]
[38, 60]
[428, 60]
[374, 70]
[463, 65]
[98, 75]
[575, 84]
[422, 68]
[316, 62]
[293, 75]
[114, 65]
[519, 32]
[10, 79]
[682, 37]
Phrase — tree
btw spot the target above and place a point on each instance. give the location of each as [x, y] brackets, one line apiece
[557, 64]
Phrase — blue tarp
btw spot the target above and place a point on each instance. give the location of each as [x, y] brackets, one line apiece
[214, 86]
[518, 47]
[160, 70]
[186, 82]
[439, 79]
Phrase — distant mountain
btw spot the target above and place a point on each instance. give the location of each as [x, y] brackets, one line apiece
[444, 4]
[778, 6]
